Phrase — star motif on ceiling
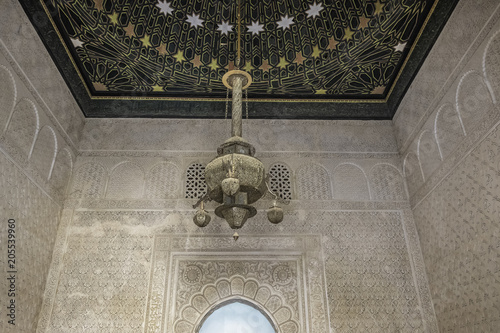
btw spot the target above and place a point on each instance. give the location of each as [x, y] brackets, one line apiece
[316, 51]
[400, 47]
[213, 64]
[255, 28]
[314, 10]
[98, 4]
[285, 22]
[379, 7]
[165, 7]
[348, 33]
[265, 65]
[129, 29]
[145, 41]
[114, 18]
[179, 56]
[76, 42]
[195, 20]
[248, 66]
[363, 22]
[283, 63]
[332, 44]
[320, 92]
[162, 49]
[157, 88]
[196, 61]
[299, 58]
[225, 27]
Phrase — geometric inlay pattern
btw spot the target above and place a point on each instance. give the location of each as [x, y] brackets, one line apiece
[302, 51]
[280, 181]
[313, 183]
[458, 227]
[169, 47]
[162, 181]
[195, 181]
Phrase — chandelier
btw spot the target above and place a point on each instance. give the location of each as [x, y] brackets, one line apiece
[235, 178]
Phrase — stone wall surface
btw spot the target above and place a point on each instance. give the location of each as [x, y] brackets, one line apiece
[38, 136]
[130, 259]
[20, 44]
[265, 135]
[452, 169]
[463, 33]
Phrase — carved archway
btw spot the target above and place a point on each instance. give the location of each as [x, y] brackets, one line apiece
[236, 288]
[236, 306]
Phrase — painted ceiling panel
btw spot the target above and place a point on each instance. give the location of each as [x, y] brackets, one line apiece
[320, 59]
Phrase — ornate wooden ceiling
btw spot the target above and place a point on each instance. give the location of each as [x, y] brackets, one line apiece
[308, 59]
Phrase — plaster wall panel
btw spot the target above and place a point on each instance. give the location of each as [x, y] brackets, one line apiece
[162, 181]
[456, 208]
[313, 182]
[24, 124]
[413, 172]
[265, 135]
[474, 100]
[7, 97]
[458, 227]
[30, 195]
[23, 127]
[36, 218]
[128, 264]
[448, 129]
[491, 65]
[44, 151]
[464, 32]
[153, 270]
[61, 172]
[36, 122]
[350, 183]
[88, 181]
[125, 181]
[384, 177]
[428, 153]
[21, 46]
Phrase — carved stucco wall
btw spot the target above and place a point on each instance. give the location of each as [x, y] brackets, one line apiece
[37, 152]
[130, 259]
[452, 167]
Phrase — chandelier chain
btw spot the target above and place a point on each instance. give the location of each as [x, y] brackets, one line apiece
[238, 46]
[227, 102]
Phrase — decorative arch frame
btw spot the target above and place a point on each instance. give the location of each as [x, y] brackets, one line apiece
[119, 165]
[238, 299]
[9, 107]
[485, 73]
[235, 288]
[437, 128]
[461, 110]
[307, 187]
[184, 286]
[368, 186]
[36, 124]
[55, 148]
[399, 172]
